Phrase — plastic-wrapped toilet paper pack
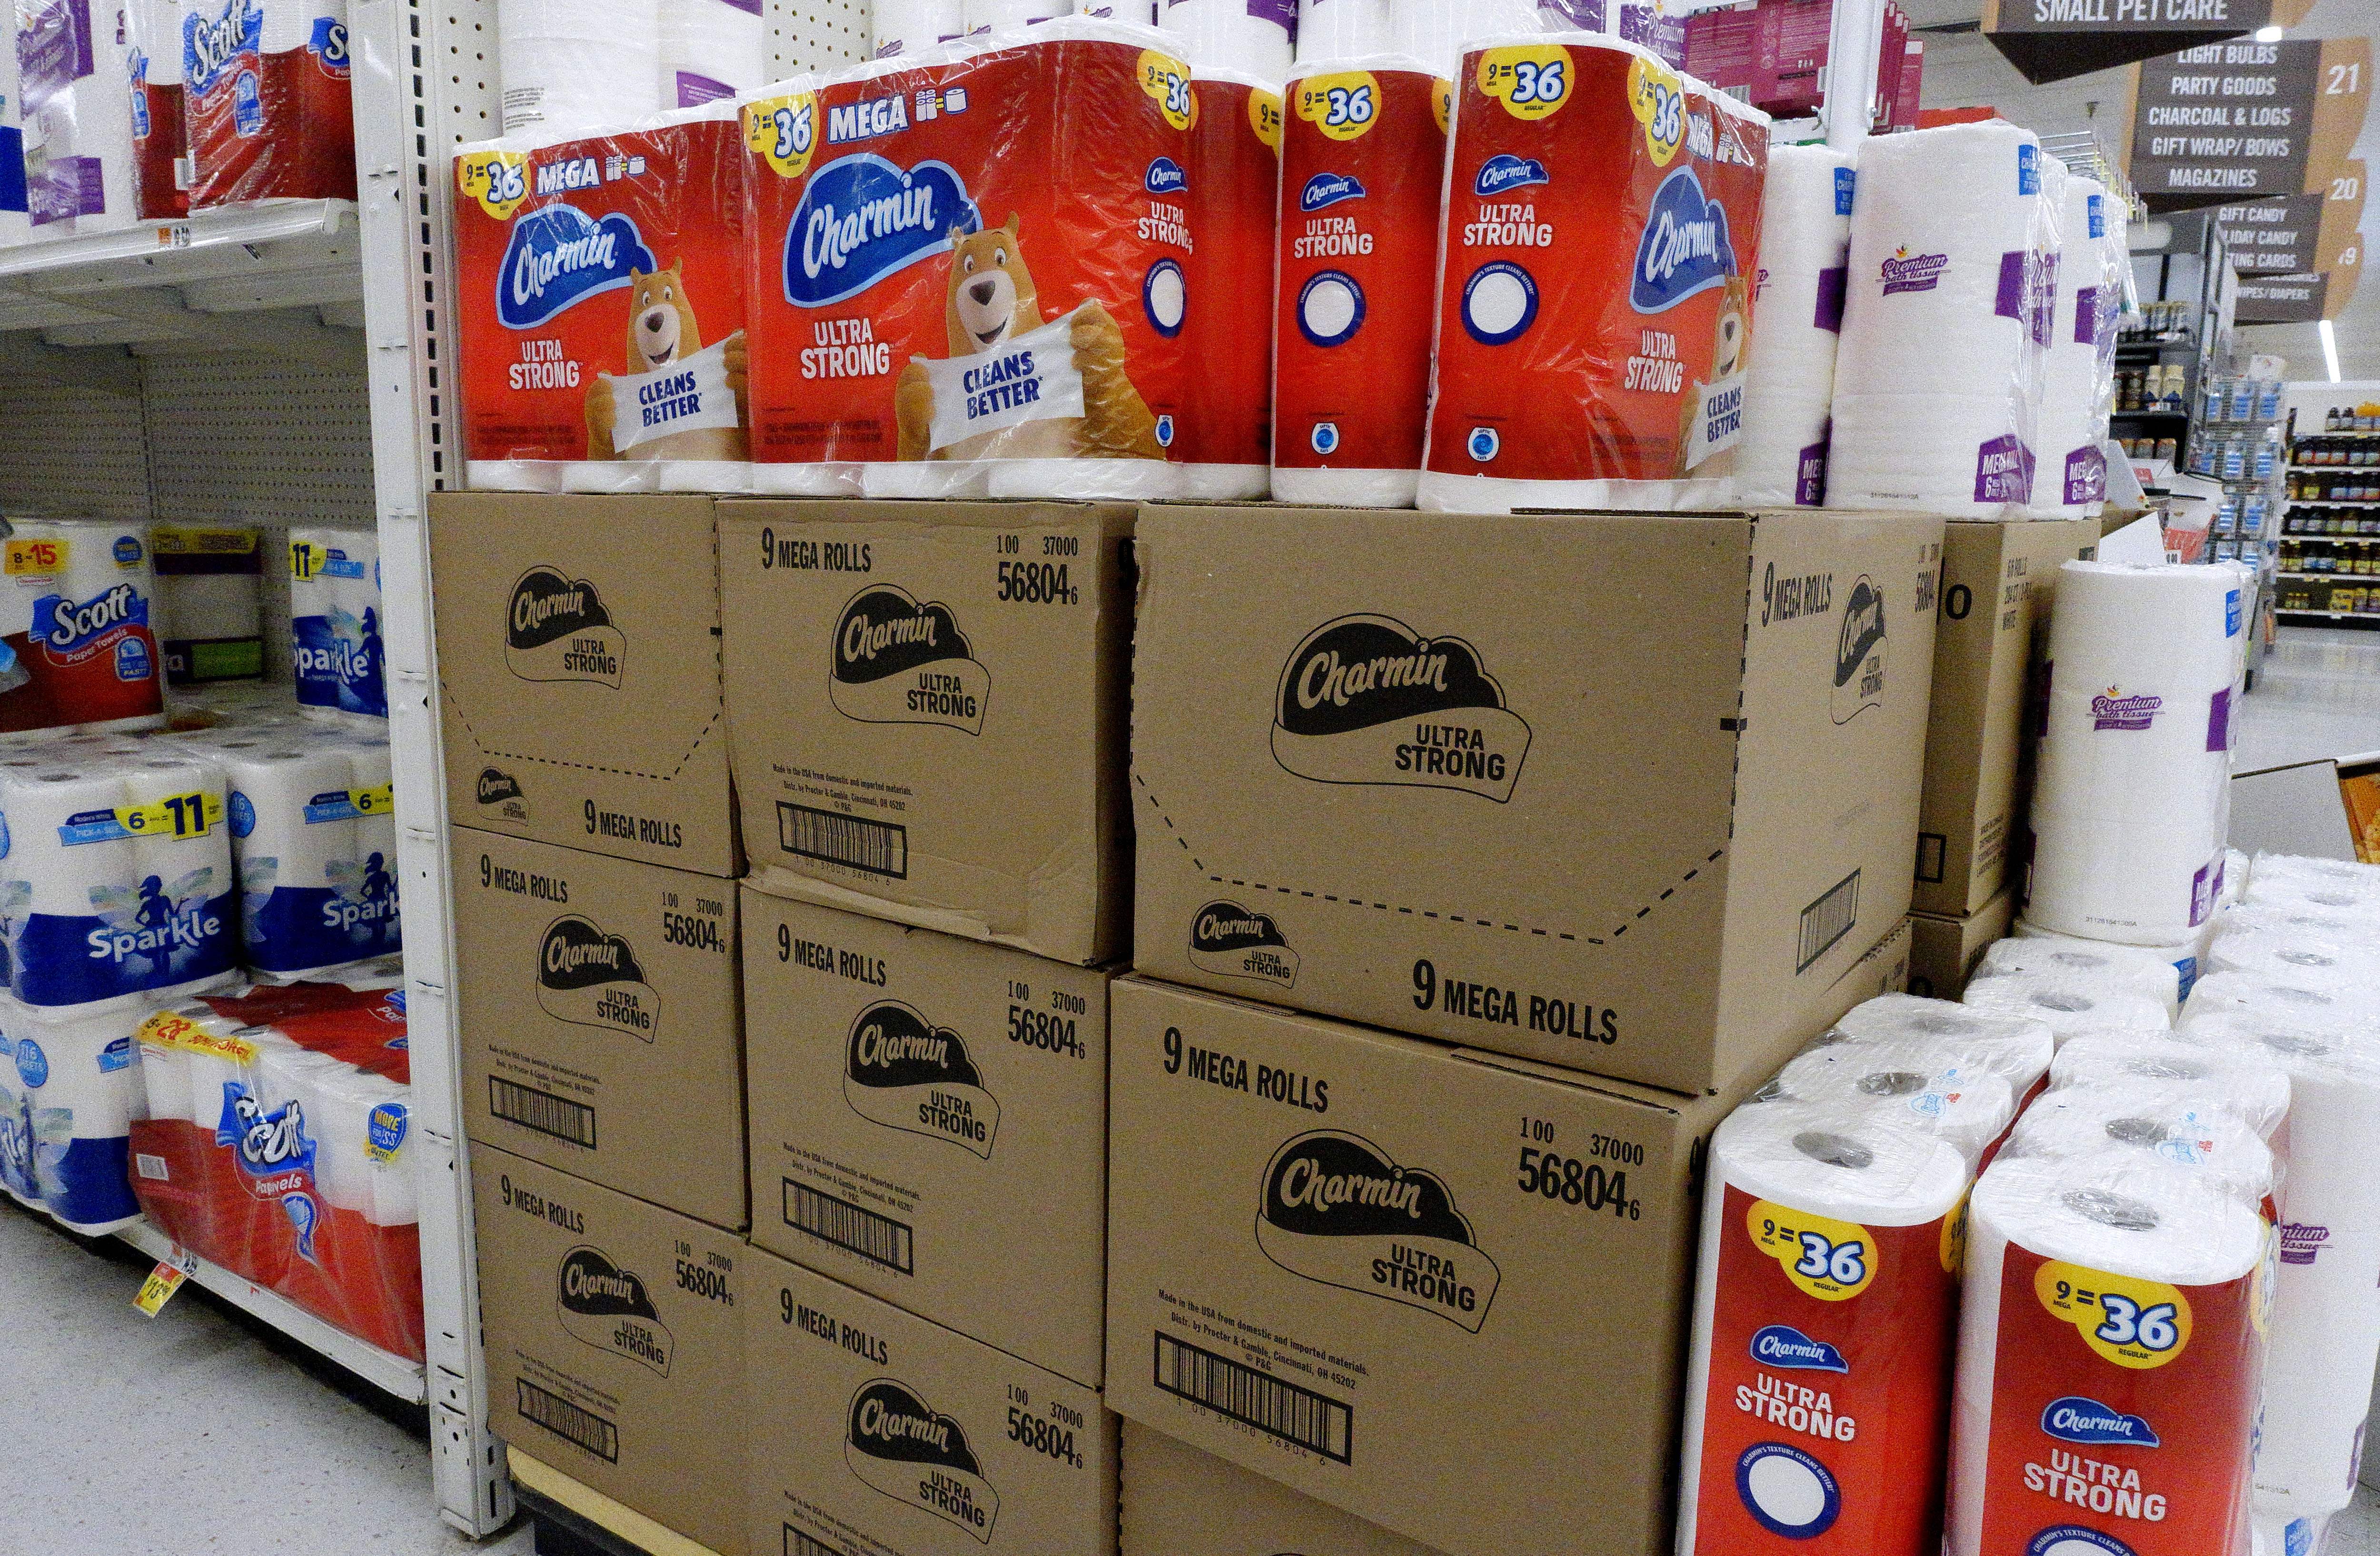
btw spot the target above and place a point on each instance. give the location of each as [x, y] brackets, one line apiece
[286, 1158]
[1819, 1370]
[2132, 801]
[161, 138]
[2166, 1124]
[2185, 957]
[2298, 1001]
[603, 320]
[911, 27]
[1797, 294]
[569, 67]
[1006, 15]
[338, 664]
[2103, 1309]
[1363, 149]
[2341, 883]
[1594, 297]
[2235, 877]
[2137, 969]
[318, 884]
[1329, 30]
[74, 82]
[116, 882]
[265, 97]
[210, 602]
[78, 1077]
[1438, 32]
[2016, 1046]
[2301, 896]
[1254, 38]
[1943, 325]
[16, 226]
[2069, 477]
[1226, 440]
[710, 50]
[1014, 326]
[2068, 1006]
[78, 641]
[1913, 1083]
[2351, 962]
[16, 1139]
[2247, 1085]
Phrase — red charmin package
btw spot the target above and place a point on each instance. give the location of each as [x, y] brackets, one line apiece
[1602, 226]
[278, 1148]
[602, 311]
[265, 99]
[1234, 177]
[968, 272]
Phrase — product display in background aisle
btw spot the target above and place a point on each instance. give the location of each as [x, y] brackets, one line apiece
[210, 602]
[335, 610]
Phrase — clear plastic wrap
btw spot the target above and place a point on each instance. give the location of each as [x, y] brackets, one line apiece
[2166, 1122]
[1912, 1083]
[2302, 1002]
[2089, 963]
[2068, 1006]
[2244, 1084]
[2017, 1046]
[265, 98]
[2290, 952]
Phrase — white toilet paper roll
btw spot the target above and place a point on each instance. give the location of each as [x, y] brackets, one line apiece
[1912, 1083]
[2235, 877]
[2324, 925]
[1338, 28]
[1256, 37]
[2248, 1085]
[985, 15]
[1820, 1265]
[2070, 478]
[2361, 881]
[2102, 1309]
[2294, 957]
[909, 26]
[573, 66]
[2296, 1000]
[2133, 794]
[2168, 1125]
[1788, 383]
[2099, 962]
[710, 50]
[2185, 959]
[2016, 1047]
[2069, 1007]
[1437, 31]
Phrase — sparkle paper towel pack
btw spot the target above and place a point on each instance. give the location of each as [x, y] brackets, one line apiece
[78, 1078]
[338, 659]
[313, 827]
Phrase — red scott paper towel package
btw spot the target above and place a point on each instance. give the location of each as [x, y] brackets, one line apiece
[602, 307]
[161, 141]
[1234, 177]
[1603, 216]
[264, 96]
[78, 644]
[1362, 161]
[968, 270]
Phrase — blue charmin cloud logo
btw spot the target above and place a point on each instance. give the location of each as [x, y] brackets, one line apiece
[1684, 250]
[559, 256]
[1504, 171]
[2075, 1419]
[1165, 176]
[1327, 189]
[1783, 1345]
[862, 218]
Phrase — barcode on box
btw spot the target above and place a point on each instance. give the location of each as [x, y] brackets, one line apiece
[800, 1544]
[543, 1112]
[879, 1239]
[1255, 1399]
[567, 1421]
[150, 1167]
[1828, 919]
[877, 847]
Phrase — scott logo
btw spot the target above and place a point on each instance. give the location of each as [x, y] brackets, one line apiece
[2076, 1419]
[897, 660]
[268, 1143]
[902, 1071]
[1241, 942]
[1366, 699]
[557, 629]
[1783, 1345]
[589, 979]
[559, 257]
[1504, 172]
[1859, 653]
[2112, 709]
[210, 43]
[1686, 249]
[608, 1307]
[862, 218]
[1905, 271]
[1327, 190]
[1337, 1210]
[904, 1448]
[1166, 176]
[64, 624]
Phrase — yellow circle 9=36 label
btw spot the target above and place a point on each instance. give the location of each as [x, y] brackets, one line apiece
[783, 131]
[497, 179]
[1656, 95]
[1344, 105]
[1167, 80]
[2134, 1323]
[1264, 118]
[1532, 80]
[1832, 1260]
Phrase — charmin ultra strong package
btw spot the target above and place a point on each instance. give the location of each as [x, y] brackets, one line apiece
[967, 270]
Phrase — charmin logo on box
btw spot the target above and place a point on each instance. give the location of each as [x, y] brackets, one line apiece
[608, 1307]
[1783, 1345]
[1326, 190]
[1859, 653]
[502, 790]
[1905, 271]
[1686, 249]
[1241, 942]
[862, 218]
[1504, 171]
[2075, 1419]
[897, 661]
[589, 979]
[558, 257]
[2112, 709]
[1337, 1210]
[1366, 699]
[902, 1071]
[904, 1448]
[557, 629]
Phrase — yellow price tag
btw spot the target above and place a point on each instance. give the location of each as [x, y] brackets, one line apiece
[783, 132]
[1264, 118]
[1656, 95]
[373, 802]
[306, 559]
[177, 539]
[1532, 80]
[33, 558]
[1167, 80]
[190, 815]
[164, 1282]
[1345, 103]
[2134, 1323]
[1833, 1260]
[497, 179]
[1441, 103]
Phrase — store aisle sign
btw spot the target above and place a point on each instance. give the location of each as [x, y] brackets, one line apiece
[2299, 259]
[2246, 120]
[2052, 39]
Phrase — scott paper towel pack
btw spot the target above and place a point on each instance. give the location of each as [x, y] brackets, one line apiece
[338, 661]
[1362, 156]
[968, 270]
[265, 96]
[75, 79]
[1797, 291]
[1225, 441]
[1602, 230]
[602, 309]
[78, 646]
[79, 1079]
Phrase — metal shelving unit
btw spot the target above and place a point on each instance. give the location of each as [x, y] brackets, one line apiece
[2327, 583]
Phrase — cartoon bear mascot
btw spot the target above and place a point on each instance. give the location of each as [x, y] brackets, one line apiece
[991, 299]
[1730, 344]
[662, 330]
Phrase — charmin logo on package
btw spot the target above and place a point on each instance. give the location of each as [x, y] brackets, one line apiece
[589, 979]
[1504, 172]
[902, 1071]
[2075, 1419]
[1782, 1346]
[862, 218]
[1366, 699]
[1337, 1210]
[1859, 653]
[897, 661]
[1326, 190]
[904, 1448]
[1686, 249]
[608, 1307]
[2112, 709]
[557, 629]
[1166, 176]
[501, 789]
[1241, 942]
[558, 257]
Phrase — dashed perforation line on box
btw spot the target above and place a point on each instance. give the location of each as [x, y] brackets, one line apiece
[702, 735]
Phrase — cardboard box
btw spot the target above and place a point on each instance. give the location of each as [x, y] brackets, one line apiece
[601, 1024]
[1884, 970]
[1180, 1501]
[875, 1433]
[1557, 785]
[929, 1123]
[578, 672]
[929, 710]
[1943, 952]
[1997, 582]
[614, 1343]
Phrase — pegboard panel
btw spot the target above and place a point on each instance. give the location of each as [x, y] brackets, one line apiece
[271, 440]
[817, 35]
[69, 449]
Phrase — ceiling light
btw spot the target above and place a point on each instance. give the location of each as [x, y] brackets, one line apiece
[2268, 34]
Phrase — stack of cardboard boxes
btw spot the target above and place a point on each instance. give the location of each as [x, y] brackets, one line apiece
[1469, 869]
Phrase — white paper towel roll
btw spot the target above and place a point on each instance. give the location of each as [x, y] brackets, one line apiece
[2070, 479]
[2247, 1085]
[2357, 883]
[909, 26]
[1820, 1265]
[2349, 963]
[2297, 1001]
[1437, 31]
[2164, 1123]
[1256, 37]
[2100, 963]
[710, 50]
[573, 66]
[76, 84]
[2133, 795]
[2103, 1308]
[2017, 1046]
[2186, 958]
[2068, 1006]
[1912, 1083]
[1788, 383]
[1339, 28]
[1937, 373]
